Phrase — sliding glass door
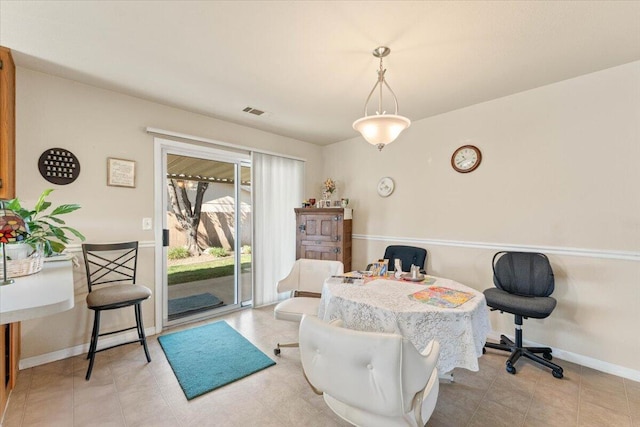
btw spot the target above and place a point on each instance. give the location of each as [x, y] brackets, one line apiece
[207, 232]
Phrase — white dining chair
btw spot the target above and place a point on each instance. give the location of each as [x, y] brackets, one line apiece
[304, 283]
[371, 379]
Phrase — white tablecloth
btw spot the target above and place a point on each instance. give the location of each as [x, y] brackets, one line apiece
[384, 306]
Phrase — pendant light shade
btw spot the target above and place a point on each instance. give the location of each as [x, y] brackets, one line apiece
[381, 129]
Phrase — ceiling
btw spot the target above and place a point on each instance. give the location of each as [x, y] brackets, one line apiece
[308, 64]
[184, 168]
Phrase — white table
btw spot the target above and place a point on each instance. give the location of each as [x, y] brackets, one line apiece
[47, 292]
[383, 305]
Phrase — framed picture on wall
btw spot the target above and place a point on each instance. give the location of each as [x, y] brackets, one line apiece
[121, 172]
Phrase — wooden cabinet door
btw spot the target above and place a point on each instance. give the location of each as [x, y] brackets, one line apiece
[9, 357]
[4, 367]
[7, 125]
[320, 235]
[327, 253]
[319, 228]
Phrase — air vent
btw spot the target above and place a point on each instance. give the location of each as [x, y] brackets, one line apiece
[253, 111]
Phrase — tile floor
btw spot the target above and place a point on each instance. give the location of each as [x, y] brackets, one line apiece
[126, 391]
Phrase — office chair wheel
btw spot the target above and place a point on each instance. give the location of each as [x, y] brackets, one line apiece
[511, 369]
[276, 351]
[557, 373]
[547, 356]
[484, 350]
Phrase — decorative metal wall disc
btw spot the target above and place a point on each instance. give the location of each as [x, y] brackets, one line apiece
[59, 166]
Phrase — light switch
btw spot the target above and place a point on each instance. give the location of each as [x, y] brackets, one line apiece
[146, 223]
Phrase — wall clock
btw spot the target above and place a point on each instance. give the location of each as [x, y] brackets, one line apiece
[466, 158]
[385, 186]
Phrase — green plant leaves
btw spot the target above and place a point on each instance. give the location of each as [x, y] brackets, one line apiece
[64, 209]
[46, 228]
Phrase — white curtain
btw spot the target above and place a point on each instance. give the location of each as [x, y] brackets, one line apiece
[277, 185]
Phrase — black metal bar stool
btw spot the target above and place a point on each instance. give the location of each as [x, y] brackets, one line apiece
[111, 277]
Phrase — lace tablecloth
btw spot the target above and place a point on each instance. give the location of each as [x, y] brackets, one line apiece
[384, 306]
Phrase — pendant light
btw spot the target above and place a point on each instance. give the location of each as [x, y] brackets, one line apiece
[381, 129]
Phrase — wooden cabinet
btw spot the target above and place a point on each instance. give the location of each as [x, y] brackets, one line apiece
[324, 234]
[9, 356]
[9, 333]
[7, 125]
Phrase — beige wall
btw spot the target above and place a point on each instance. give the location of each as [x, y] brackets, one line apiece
[95, 124]
[559, 171]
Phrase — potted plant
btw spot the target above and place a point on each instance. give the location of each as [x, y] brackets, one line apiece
[46, 230]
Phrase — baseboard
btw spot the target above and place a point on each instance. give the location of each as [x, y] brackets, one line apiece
[589, 362]
[30, 362]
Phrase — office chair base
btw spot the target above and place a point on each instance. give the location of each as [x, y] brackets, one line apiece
[517, 350]
[276, 350]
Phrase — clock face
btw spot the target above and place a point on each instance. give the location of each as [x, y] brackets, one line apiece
[466, 158]
[385, 186]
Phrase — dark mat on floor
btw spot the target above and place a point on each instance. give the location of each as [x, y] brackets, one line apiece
[193, 303]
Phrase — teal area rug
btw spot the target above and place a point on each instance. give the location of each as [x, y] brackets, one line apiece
[210, 356]
[181, 306]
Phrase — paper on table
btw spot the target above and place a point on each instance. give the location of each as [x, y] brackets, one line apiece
[441, 297]
[349, 278]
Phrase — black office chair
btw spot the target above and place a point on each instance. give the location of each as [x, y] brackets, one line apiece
[408, 255]
[113, 264]
[524, 281]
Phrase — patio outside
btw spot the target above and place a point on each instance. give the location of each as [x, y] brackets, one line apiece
[201, 277]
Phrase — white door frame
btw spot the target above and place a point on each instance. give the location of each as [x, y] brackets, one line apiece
[161, 145]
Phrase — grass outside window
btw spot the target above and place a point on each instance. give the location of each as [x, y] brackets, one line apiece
[206, 270]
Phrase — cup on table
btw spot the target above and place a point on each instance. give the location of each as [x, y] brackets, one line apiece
[398, 268]
[415, 271]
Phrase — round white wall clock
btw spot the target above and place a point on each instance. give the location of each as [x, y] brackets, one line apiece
[385, 186]
[466, 158]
